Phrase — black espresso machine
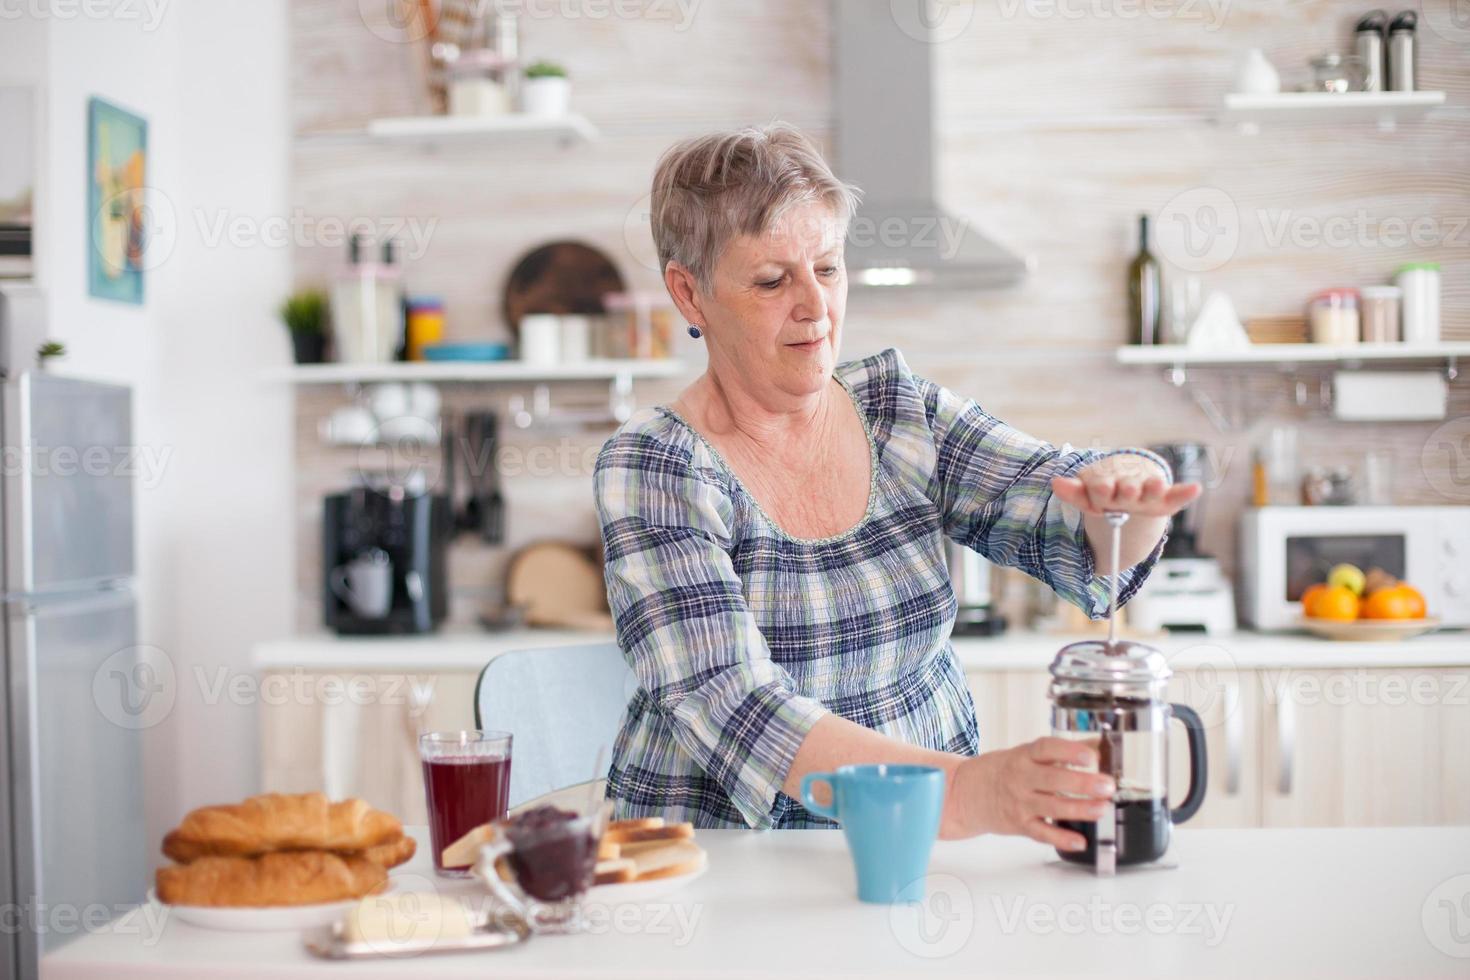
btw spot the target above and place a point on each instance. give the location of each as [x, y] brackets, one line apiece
[383, 560]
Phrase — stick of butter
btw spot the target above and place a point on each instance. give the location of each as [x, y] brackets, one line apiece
[407, 919]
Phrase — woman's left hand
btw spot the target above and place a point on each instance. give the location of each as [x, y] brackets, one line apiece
[1132, 484]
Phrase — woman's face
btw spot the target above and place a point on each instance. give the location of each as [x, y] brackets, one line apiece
[775, 310]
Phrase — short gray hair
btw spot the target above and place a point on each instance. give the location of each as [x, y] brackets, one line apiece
[710, 189]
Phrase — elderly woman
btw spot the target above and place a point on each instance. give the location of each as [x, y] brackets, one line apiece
[775, 537]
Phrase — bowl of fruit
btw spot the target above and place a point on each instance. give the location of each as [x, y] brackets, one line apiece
[1372, 605]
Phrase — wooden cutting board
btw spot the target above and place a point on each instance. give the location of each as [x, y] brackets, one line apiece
[559, 585]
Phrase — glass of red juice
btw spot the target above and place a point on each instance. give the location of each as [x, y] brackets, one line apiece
[466, 784]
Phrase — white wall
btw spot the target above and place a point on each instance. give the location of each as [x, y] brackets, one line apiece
[213, 525]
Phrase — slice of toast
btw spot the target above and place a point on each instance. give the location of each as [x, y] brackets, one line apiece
[637, 835]
[616, 872]
[674, 858]
[466, 850]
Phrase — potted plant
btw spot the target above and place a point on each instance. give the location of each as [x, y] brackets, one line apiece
[305, 316]
[547, 91]
[49, 351]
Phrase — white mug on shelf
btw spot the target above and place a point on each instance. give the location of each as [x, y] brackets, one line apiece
[540, 338]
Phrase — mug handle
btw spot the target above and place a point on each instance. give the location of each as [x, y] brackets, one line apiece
[807, 782]
[338, 581]
[484, 869]
[1198, 766]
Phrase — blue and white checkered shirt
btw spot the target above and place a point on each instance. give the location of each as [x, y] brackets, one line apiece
[742, 637]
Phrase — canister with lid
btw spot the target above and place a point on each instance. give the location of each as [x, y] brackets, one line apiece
[1420, 313]
[1333, 317]
[1378, 309]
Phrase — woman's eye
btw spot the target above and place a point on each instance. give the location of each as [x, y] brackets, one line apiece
[830, 270]
[769, 283]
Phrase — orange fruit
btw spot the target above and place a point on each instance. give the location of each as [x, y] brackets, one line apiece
[1309, 597]
[1337, 603]
[1398, 602]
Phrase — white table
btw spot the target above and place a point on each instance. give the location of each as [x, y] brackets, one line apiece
[1240, 903]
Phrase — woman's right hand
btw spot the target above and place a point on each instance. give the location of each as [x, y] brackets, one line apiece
[1017, 791]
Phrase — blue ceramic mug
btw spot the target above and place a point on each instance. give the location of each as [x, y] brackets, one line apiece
[890, 815]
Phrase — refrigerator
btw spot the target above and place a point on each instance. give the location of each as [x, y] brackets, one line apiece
[77, 694]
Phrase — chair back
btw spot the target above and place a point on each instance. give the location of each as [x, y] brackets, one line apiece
[561, 704]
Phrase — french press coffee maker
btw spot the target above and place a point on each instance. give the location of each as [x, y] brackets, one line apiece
[1112, 692]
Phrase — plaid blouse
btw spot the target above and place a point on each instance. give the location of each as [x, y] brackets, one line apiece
[743, 636]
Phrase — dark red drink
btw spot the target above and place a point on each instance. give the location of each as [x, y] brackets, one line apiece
[463, 792]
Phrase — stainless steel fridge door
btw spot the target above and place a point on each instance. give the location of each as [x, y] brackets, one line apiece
[69, 471]
[79, 700]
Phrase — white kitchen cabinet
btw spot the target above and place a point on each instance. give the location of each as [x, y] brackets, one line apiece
[1364, 747]
[356, 734]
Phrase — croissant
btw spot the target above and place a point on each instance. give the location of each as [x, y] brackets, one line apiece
[393, 853]
[278, 822]
[287, 878]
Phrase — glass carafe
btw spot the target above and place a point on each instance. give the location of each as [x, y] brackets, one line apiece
[1111, 693]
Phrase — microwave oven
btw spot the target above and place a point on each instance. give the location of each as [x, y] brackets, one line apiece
[1283, 550]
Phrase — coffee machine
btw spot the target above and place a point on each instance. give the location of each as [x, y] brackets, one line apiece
[383, 560]
[1187, 590]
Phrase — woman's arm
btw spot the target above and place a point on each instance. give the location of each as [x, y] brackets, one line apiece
[1013, 791]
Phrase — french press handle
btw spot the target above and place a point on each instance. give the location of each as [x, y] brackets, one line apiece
[1199, 771]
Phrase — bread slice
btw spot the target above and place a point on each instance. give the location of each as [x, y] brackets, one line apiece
[616, 872]
[637, 835]
[466, 850]
[608, 851]
[636, 823]
[678, 857]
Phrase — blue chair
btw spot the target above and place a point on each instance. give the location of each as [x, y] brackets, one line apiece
[562, 704]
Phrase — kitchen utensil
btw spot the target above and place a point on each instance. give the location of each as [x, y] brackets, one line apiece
[558, 585]
[890, 817]
[1420, 304]
[1256, 75]
[466, 352]
[1378, 309]
[466, 783]
[367, 306]
[1402, 57]
[1370, 630]
[1112, 692]
[1369, 47]
[561, 277]
[1333, 72]
[277, 918]
[494, 929]
[550, 854]
[1333, 315]
[540, 339]
[485, 511]
[365, 583]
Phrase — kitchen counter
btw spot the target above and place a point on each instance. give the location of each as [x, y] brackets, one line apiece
[1257, 903]
[468, 650]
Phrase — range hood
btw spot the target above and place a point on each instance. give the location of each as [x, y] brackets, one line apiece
[883, 93]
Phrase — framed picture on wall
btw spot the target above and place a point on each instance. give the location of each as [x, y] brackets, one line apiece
[117, 225]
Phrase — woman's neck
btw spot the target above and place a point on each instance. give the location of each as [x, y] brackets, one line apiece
[765, 421]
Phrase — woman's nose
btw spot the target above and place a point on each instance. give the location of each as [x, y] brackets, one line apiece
[811, 300]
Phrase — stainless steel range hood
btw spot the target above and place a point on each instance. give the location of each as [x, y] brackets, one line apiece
[883, 90]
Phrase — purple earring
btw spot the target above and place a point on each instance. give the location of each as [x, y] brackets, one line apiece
[694, 331]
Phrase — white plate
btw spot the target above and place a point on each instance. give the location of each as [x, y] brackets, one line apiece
[642, 891]
[278, 918]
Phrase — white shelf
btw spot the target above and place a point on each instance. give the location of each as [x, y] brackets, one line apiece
[474, 371]
[1285, 355]
[1387, 109]
[568, 129]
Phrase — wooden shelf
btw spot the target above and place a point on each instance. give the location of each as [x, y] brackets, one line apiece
[566, 130]
[1287, 355]
[1250, 112]
[474, 371]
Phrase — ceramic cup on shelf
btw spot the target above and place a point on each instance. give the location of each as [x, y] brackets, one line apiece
[1256, 75]
[540, 339]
